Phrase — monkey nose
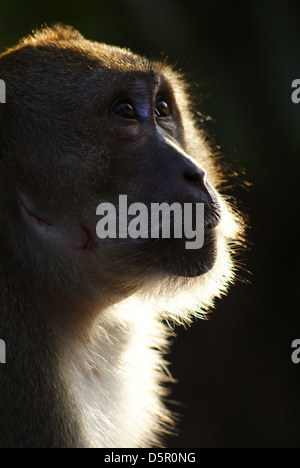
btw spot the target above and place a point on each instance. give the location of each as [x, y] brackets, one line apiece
[198, 179]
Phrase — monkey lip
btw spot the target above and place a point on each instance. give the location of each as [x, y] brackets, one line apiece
[212, 223]
[213, 218]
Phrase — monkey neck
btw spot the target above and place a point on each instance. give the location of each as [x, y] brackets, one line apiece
[34, 401]
[36, 404]
[54, 379]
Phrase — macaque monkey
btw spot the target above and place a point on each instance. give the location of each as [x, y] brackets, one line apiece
[83, 317]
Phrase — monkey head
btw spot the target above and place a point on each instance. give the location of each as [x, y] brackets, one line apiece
[83, 124]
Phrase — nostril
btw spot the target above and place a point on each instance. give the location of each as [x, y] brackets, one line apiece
[196, 178]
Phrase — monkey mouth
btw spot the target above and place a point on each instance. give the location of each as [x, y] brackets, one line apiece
[213, 220]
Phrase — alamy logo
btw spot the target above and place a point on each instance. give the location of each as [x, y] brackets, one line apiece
[2, 92]
[296, 94]
[163, 221]
[296, 354]
[2, 352]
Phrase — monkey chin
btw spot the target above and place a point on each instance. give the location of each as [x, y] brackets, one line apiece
[170, 257]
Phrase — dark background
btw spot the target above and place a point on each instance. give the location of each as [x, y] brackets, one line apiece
[237, 383]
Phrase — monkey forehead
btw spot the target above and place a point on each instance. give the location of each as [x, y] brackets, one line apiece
[53, 62]
[68, 43]
[80, 61]
[140, 82]
[61, 43]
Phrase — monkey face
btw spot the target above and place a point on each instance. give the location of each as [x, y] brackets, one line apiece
[93, 123]
[156, 169]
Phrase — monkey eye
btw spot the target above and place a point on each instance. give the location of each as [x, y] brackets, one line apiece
[125, 110]
[162, 109]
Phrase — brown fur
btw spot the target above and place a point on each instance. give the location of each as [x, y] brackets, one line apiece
[82, 318]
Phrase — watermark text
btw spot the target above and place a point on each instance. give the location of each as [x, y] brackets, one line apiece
[2, 352]
[296, 353]
[2, 92]
[163, 221]
[296, 94]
